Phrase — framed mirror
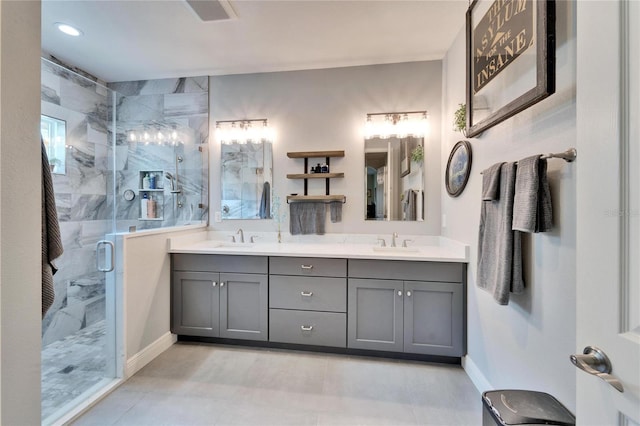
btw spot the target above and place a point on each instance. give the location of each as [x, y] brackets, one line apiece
[394, 178]
[247, 175]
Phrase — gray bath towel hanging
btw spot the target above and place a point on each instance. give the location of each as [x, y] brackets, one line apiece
[51, 240]
[265, 202]
[532, 211]
[499, 247]
[307, 217]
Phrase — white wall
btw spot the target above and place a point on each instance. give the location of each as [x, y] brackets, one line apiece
[526, 344]
[20, 213]
[146, 283]
[325, 110]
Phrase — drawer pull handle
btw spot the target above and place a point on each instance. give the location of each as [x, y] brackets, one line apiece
[214, 283]
[306, 293]
[399, 293]
[408, 294]
[306, 266]
[221, 284]
[306, 327]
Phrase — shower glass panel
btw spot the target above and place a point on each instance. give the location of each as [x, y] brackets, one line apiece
[161, 172]
[78, 341]
[129, 142]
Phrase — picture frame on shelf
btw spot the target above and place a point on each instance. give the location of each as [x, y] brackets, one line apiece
[510, 59]
[458, 168]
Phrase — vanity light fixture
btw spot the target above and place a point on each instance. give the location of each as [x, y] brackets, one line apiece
[157, 134]
[68, 29]
[385, 125]
[244, 131]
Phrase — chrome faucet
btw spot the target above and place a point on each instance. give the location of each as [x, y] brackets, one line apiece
[393, 239]
[241, 233]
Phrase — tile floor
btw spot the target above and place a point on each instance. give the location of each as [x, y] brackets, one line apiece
[71, 366]
[198, 384]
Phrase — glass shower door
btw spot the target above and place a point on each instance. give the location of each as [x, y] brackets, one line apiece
[79, 339]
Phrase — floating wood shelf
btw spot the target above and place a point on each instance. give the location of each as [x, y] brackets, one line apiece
[322, 198]
[306, 175]
[315, 154]
[314, 175]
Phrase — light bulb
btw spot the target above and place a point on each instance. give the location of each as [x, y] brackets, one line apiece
[368, 128]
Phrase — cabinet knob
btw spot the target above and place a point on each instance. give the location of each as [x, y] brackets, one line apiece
[399, 293]
[214, 283]
[306, 266]
[306, 293]
[221, 284]
[306, 327]
[408, 294]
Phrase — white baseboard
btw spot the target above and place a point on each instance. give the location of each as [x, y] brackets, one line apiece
[148, 354]
[479, 380]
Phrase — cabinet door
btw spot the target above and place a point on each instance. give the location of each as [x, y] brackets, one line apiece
[195, 301]
[375, 314]
[243, 306]
[433, 318]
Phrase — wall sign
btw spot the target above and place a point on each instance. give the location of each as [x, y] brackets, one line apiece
[510, 59]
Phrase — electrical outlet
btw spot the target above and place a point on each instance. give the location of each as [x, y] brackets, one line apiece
[218, 217]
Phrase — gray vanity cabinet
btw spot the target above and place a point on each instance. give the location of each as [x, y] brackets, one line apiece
[420, 311]
[375, 314]
[219, 296]
[308, 301]
[195, 300]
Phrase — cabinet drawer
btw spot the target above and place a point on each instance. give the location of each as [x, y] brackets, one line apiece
[308, 293]
[407, 270]
[308, 328]
[219, 263]
[308, 266]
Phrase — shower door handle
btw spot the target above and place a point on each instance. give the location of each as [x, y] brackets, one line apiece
[111, 255]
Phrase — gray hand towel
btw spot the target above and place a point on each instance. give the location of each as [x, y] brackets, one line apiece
[51, 240]
[336, 211]
[491, 182]
[499, 247]
[265, 203]
[532, 211]
[307, 217]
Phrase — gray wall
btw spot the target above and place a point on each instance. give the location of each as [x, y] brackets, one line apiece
[526, 344]
[20, 211]
[326, 110]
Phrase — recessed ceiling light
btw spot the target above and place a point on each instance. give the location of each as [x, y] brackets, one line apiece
[68, 29]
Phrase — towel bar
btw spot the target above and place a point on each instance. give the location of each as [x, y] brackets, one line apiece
[569, 155]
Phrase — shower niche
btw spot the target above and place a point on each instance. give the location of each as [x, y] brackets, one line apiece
[151, 194]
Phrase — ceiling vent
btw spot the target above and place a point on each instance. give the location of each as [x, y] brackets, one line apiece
[212, 10]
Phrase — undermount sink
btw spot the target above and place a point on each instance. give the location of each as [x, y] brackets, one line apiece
[396, 249]
[234, 245]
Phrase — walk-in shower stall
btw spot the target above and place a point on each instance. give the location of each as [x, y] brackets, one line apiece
[128, 157]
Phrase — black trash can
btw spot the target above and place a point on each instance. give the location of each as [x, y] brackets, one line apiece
[522, 407]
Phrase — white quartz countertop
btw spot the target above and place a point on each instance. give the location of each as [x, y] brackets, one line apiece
[435, 249]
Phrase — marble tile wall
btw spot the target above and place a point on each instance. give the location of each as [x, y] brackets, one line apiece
[84, 209]
[163, 106]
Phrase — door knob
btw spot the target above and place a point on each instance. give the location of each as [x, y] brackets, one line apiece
[597, 363]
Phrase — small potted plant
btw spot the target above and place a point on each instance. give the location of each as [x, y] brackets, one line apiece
[417, 155]
[460, 119]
